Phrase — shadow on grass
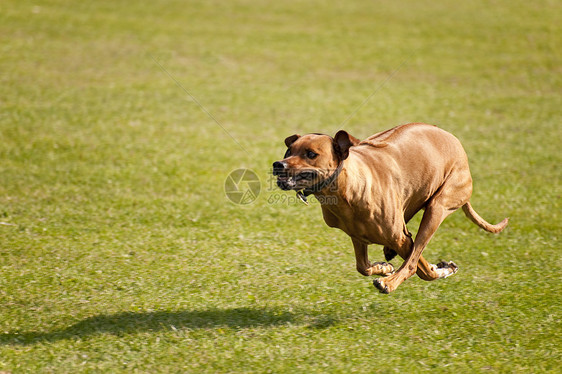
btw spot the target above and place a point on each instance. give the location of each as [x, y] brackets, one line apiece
[134, 322]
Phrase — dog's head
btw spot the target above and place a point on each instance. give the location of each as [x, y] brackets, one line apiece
[311, 159]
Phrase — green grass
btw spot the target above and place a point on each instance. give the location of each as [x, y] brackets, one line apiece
[119, 251]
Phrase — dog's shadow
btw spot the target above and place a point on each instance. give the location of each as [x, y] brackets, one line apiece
[134, 322]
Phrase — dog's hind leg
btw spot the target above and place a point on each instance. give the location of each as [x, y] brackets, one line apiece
[426, 270]
[429, 272]
[432, 218]
[453, 194]
[362, 261]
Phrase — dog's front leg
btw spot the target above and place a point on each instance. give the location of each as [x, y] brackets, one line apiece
[362, 260]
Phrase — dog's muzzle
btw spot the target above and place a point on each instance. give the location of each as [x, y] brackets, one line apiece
[290, 180]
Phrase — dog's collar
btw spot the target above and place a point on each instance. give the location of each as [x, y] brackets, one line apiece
[302, 194]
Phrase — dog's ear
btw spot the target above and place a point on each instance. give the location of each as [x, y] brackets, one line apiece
[291, 139]
[342, 142]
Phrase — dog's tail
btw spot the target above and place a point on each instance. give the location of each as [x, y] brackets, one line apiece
[475, 217]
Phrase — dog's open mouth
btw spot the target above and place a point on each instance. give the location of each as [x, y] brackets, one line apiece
[285, 182]
[298, 181]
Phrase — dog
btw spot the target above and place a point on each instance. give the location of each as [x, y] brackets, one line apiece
[370, 189]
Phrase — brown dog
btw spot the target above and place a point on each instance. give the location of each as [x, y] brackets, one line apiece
[370, 189]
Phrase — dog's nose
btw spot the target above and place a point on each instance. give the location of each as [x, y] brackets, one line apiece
[278, 167]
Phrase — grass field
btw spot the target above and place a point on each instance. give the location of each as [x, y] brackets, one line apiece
[119, 251]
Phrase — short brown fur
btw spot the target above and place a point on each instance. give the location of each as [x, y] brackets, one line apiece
[384, 181]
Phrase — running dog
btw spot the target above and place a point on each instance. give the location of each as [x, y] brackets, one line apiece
[370, 189]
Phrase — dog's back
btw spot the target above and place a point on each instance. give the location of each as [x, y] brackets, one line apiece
[413, 160]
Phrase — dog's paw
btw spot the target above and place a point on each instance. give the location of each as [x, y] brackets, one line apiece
[382, 268]
[378, 283]
[446, 268]
[389, 269]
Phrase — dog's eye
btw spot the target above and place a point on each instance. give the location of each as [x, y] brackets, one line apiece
[311, 155]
